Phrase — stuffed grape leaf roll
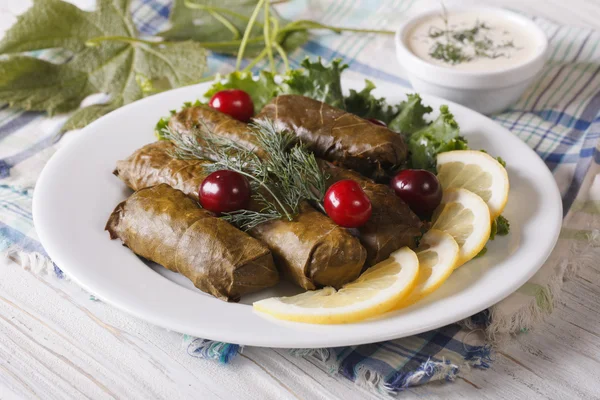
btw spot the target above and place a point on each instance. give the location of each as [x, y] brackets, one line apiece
[392, 224]
[338, 136]
[164, 225]
[311, 250]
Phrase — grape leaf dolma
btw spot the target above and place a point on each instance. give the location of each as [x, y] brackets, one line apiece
[310, 250]
[392, 223]
[164, 225]
[338, 136]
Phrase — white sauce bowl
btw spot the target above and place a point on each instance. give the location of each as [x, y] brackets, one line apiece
[487, 92]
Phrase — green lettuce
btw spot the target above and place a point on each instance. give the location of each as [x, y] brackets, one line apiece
[411, 115]
[261, 90]
[317, 81]
[500, 227]
[365, 105]
[443, 134]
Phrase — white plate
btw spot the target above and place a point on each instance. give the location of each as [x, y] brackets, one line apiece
[76, 193]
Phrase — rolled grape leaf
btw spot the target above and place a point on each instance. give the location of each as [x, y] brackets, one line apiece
[163, 225]
[392, 224]
[220, 124]
[338, 136]
[311, 250]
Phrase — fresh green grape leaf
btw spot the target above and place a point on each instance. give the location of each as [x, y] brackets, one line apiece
[261, 90]
[214, 21]
[124, 68]
[411, 115]
[365, 105]
[317, 81]
[33, 84]
[87, 115]
[58, 24]
[220, 25]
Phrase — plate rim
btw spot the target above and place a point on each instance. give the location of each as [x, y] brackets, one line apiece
[47, 243]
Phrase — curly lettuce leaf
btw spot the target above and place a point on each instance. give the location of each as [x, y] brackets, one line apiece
[411, 115]
[317, 81]
[502, 226]
[365, 105]
[501, 161]
[443, 134]
[261, 90]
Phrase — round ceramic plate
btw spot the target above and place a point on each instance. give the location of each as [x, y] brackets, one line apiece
[77, 191]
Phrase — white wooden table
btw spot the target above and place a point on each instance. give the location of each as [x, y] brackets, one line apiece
[56, 343]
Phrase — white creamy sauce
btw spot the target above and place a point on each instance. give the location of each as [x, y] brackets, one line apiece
[496, 42]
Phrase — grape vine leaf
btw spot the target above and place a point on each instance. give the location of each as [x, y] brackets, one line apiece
[116, 67]
[206, 25]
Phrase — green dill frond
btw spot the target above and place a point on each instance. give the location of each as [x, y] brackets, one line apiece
[280, 182]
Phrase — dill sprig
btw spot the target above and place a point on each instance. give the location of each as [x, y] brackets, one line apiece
[298, 176]
[280, 182]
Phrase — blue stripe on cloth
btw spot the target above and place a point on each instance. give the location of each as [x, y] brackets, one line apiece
[7, 163]
[560, 70]
[591, 109]
[570, 121]
[443, 337]
[16, 209]
[550, 40]
[553, 160]
[355, 356]
[436, 342]
[9, 236]
[18, 123]
[583, 165]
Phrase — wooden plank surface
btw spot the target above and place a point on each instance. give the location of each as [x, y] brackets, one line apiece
[56, 343]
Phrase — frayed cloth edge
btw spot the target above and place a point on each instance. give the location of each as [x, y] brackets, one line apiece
[430, 370]
[35, 262]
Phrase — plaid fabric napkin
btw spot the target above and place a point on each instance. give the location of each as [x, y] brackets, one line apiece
[558, 117]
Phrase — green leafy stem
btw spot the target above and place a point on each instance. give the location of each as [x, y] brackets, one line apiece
[272, 36]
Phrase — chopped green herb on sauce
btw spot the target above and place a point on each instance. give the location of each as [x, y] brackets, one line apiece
[456, 46]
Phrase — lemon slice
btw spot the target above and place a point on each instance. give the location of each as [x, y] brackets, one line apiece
[437, 254]
[377, 290]
[478, 172]
[466, 217]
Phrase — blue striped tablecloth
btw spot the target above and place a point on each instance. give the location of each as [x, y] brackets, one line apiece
[558, 117]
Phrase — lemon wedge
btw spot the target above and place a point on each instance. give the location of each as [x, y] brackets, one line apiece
[478, 172]
[437, 254]
[466, 217]
[378, 290]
